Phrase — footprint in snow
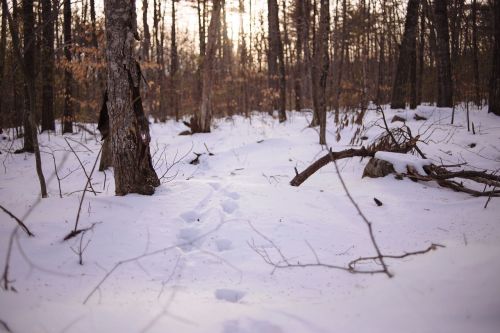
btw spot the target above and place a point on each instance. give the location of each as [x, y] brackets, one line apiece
[188, 236]
[229, 295]
[223, 244]
[229, 206]
[190, 216]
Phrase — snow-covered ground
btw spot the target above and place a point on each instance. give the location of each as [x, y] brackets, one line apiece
[182, 259]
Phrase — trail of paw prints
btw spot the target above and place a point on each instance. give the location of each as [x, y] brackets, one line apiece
[217, 206]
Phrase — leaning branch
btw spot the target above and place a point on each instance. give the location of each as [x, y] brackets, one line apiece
[21, 224]
[330, 157]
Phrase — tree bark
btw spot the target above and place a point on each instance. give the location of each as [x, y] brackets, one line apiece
[445, 87]
[3, 44]
[204, 119]
[29, 63]
[407, 56]
[129, 126]
[47, 64]
[494, 96]
[475, 49]
[320, 68]
[146, 41]
[68, 77]
[93, 23]
[174, 67]
[276, 59]
[29, 85]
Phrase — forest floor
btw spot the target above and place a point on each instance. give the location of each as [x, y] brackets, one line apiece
[190, 257]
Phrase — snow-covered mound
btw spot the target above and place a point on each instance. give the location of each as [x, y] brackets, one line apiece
[191, 258]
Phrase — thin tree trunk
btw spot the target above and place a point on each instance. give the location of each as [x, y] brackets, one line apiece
[47, 64]
[475, 59]
[243, 104]
[146, 41]
[68, 77]
[407, 57]
[174, 67]
[129, 126]
[494, 96]
[276, 60]
[3, 44]
[299, 23]
[204, 119]
[320, 68]
[445, 87]
[93, 23]
[341, 64]
[29, 63]
[421, 58]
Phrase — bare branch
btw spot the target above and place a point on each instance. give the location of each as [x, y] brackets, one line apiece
[19, 222]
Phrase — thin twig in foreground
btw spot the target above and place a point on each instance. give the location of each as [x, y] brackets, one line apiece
[21, 224]
[367, 222]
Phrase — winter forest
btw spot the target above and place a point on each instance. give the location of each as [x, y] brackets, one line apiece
[240, 166]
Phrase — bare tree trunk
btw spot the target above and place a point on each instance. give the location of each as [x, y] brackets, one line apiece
[407, 54]
[421, 58]
[174, 67]
[276, 59]
[475, 60]
[494, 98]
[68, 77]
[320, 68]
[340, 72]
[93, 23]
[26, 62]
[299, 26]
[29, 63]
[129, 126]
[3, 44]
[243, 52]
[204, 119]
[146, 40]
[47, 64]
[445, 87]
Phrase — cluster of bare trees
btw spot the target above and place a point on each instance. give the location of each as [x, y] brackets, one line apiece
[308, 54]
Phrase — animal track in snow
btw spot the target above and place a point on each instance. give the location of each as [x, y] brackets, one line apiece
[188, 235]
[229, 295]
[223, 244]
[229, 206]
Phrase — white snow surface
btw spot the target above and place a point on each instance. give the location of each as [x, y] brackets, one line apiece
[181, 260]
[401, 162]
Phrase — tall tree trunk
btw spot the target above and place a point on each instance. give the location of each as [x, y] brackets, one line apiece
[68, 77]
[445, 85]
[204, 119]
[3, 44]
[276, 59]
[243, 53]
[93, 23]
[494, 98]
[47, 64]
[299, 26]
[26, 62]
[129, 126]
[421, 58]
[146, 40]
[475, 59]
[340, 71]
[29, 63]
[407, 54]
[320, 68]
[174, 67]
